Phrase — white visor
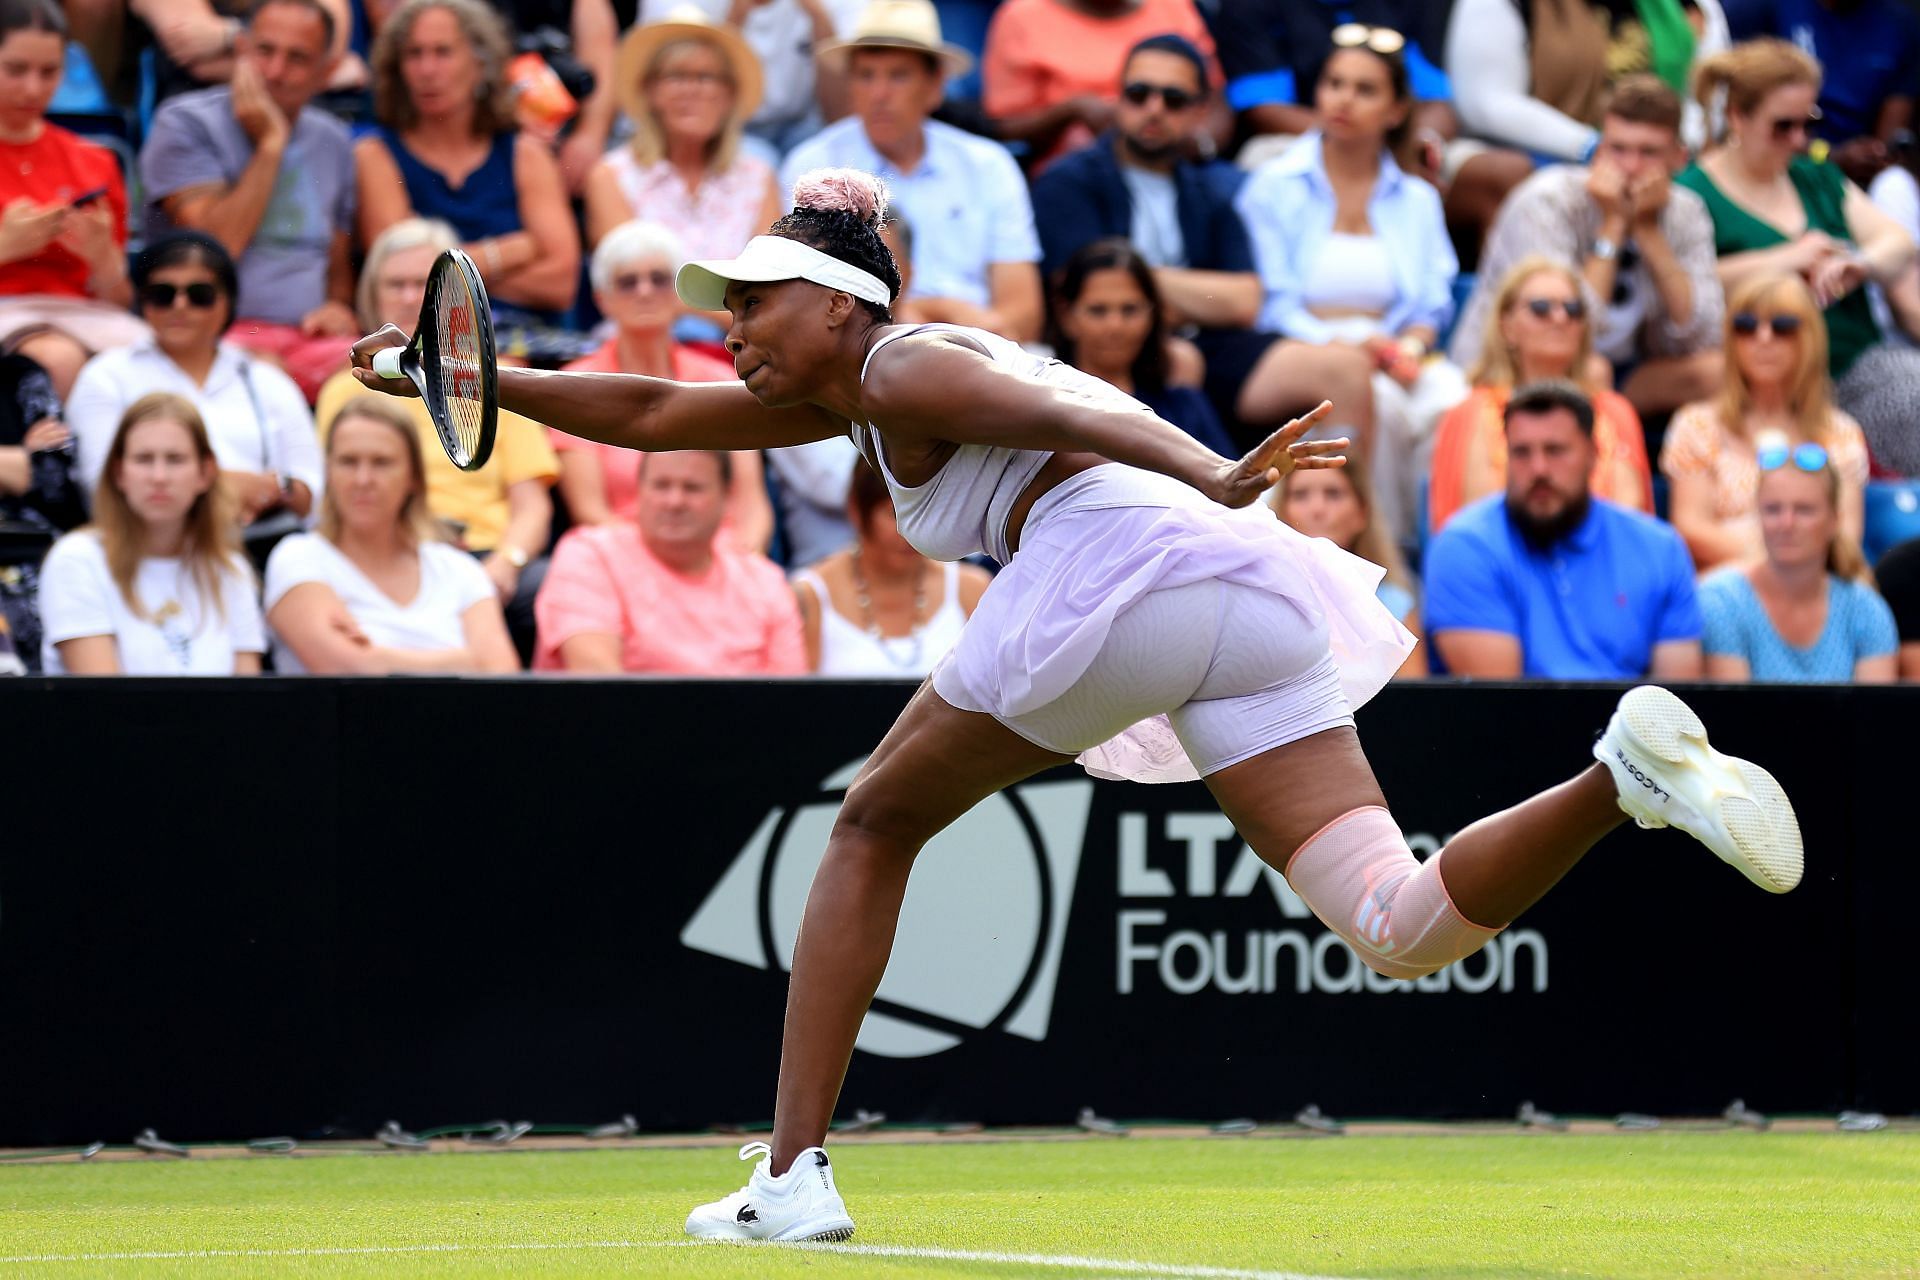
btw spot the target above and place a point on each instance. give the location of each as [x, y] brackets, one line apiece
[703, 285]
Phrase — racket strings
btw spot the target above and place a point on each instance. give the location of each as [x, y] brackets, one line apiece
[459, 367]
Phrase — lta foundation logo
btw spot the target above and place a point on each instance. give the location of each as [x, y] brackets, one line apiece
[980, 937]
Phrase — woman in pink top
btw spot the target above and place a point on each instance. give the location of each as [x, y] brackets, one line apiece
[633, 286]
[1138, 621]
[689, 87]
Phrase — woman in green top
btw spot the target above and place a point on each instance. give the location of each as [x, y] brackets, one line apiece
[1775, 209]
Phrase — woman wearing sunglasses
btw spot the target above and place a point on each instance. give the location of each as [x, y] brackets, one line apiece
[1539, 327]
[1806, 611]
[1358, 270]
[262, 431]
[1775, 209]
[632, 275]
[1776, 383]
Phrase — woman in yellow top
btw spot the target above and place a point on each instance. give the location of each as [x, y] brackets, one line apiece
[1540, 326]
[502, 513]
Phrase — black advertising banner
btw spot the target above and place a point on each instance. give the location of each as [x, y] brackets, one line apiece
[230, 908]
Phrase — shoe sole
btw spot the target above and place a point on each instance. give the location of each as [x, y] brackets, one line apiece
[1757, 831]
[837, 1233]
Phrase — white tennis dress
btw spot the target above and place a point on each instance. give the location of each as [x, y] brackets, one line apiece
[1145, 628]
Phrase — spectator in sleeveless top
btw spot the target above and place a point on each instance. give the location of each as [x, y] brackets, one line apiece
[661, 594]
[376, 589]
[261, 428]
[63, 266]
[1534, 74]
[446, 148]
[632, 273]
[1759, 184]
[1776, 382]
[879, 607]
[1806, 611]
[1108, 321]
[1537, 326]
[1050, 74]
[688, 86]
[502, 513]
[214, 160]
[1337, 504]
[155, 585]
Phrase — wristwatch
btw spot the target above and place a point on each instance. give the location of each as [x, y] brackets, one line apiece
[515, 556]
[1604, 249]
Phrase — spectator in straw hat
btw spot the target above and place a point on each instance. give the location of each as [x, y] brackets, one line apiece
[975, 250]
[782, 34]
[689, 86]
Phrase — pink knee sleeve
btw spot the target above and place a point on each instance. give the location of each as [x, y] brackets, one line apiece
[1360, 878]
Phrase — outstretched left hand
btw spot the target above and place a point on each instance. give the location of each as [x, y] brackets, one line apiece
[1242, 482]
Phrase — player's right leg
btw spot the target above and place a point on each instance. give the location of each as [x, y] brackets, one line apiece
[936, 763]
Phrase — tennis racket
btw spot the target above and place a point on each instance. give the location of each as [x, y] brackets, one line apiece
[451, 359]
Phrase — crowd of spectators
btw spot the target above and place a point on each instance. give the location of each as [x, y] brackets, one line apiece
[1618, 302]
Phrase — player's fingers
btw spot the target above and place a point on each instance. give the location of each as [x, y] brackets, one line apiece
[379, 340]
[1292, 431]
[1310, 448]
[1315, 463]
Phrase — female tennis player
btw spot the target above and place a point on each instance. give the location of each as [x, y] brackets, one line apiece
[1140, 619]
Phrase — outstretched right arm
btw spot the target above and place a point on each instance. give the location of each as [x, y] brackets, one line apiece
[630, 411]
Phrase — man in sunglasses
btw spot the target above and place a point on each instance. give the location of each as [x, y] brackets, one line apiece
[1135, 181]
[248, 164]
[1546, 581]
[1644, 246]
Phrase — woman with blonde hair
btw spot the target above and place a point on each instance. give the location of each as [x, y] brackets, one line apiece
[376, 589]
[1776, 382]
[1540, 326]
[1807, 610]
[689, 86]
[1777, 210]
[446, 147]
[156, 584]
[1338, 505]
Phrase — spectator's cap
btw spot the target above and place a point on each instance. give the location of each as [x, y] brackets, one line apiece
[703, 285]
[898, 24]
[686, 22]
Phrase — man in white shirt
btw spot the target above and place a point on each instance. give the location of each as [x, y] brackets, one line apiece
[975, 250]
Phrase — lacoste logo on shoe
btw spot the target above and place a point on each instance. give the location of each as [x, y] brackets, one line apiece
[1642, 778]
[746, 1214]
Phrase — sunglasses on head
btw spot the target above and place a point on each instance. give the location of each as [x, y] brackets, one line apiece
[1784, 324]
[1139, 93]
[630, 281]
[1805, 457]
[1805, 124]
[1356, 35]
[1572, 308]
[200, 295]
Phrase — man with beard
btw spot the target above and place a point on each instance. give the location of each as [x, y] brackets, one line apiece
[1547, 581]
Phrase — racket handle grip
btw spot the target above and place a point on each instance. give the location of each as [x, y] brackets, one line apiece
[386, 362]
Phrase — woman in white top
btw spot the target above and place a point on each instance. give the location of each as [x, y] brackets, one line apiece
[155, 586]
[1358, 270]
[259, 423]
[1138, 622]
[376, 591]
[880, 608]
[689, 87]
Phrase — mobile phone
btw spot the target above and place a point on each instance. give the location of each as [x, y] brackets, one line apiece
[86, 198]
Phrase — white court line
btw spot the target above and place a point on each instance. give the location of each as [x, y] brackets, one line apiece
[1111, 1266]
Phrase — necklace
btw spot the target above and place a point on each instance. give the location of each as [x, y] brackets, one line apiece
[891, 646]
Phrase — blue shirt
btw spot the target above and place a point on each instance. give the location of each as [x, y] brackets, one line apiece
[1288, 207]
[965, 200]
[1859, 625]
[486, 204]
[1871, 52]
[1590, 608]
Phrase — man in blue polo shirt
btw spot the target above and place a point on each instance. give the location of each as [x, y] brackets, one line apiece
[1547, 581]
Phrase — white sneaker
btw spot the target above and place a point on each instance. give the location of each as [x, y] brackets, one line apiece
[801, 1204]
[1656, 749]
